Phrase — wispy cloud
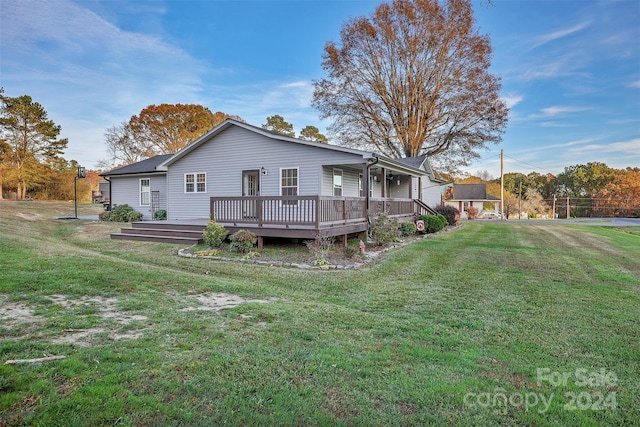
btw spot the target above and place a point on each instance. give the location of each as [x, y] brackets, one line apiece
[635, 85]
[547, 38]
[630, 146]
[561, 110]
[511, 100]
[555, 147]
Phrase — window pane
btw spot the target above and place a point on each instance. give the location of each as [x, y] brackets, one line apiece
[337, 182]
[201, 187]
[145, 185]
[289, 185]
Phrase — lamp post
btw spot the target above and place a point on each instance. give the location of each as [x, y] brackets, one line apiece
[82, 173]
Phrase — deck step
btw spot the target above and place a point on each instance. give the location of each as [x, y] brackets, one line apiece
[158, 238]
[178, 232]
[190, 234]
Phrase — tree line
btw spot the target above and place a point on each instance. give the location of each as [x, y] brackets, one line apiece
[31, 153]
[586, 190]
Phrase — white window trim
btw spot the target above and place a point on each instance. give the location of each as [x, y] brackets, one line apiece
[297, 168]
[333, 182]
[195, 182]
[149, 192]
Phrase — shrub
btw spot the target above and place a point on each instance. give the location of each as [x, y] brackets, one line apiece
[350, 251]
[407, 229]
[320, 246]
[122, 213]
[472, 211]
[243, 241]
[214, 235]
[160, 215]
[450, 213]
[433, 223]
[384, 230]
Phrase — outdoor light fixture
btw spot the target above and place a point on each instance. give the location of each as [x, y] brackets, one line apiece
[263, 170]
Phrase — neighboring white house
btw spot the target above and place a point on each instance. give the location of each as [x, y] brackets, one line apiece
[237, 159]
[462, 196]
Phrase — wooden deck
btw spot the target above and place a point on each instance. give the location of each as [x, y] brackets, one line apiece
[294, 217]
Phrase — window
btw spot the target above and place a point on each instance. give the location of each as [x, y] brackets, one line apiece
[372, 180]
[195, 183]
[337, 182]
[145, 192]
[289, 185]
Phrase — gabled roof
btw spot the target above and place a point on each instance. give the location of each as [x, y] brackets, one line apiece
[269, 134]
[142, 167]
[414, 162]
[412, 165]
[471, 192]
[422, 162]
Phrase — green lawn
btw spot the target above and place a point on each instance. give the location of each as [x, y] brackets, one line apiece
[491, 324]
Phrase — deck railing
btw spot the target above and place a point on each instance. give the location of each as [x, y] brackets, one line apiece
[304, 211]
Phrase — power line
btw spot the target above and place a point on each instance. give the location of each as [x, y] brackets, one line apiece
[529, 164]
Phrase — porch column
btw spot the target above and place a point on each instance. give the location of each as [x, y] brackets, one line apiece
[411, 187]
[384, 183]
[365, 189]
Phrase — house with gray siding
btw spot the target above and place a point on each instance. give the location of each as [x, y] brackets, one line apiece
[248, 177]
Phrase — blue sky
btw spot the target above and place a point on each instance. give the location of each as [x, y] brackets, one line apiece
[570, 69]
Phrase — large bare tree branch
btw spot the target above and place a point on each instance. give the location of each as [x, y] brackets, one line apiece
[413, 79]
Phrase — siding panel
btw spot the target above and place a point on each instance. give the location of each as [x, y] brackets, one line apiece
[126, 190]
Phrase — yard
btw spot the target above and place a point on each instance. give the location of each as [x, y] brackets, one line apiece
[491, 324]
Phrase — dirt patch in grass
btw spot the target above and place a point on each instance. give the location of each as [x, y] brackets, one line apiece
[220, 301]
[28, 216]
[15, 315]
[12, 314]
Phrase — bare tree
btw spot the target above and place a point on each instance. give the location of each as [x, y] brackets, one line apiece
[413, 79]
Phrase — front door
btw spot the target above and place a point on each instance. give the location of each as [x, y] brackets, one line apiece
[250, 187]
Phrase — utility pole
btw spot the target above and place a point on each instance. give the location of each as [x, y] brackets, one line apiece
[520, 199]
[553, 212]
[502, 184]
[568, 207]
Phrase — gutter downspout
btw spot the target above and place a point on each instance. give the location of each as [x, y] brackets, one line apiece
[109, 181]
[369, 165]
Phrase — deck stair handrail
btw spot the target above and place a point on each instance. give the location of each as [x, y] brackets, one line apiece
[424, 207]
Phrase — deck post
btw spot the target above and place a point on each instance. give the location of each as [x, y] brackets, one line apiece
[259, 214]
[260, 242]
[318, 212]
